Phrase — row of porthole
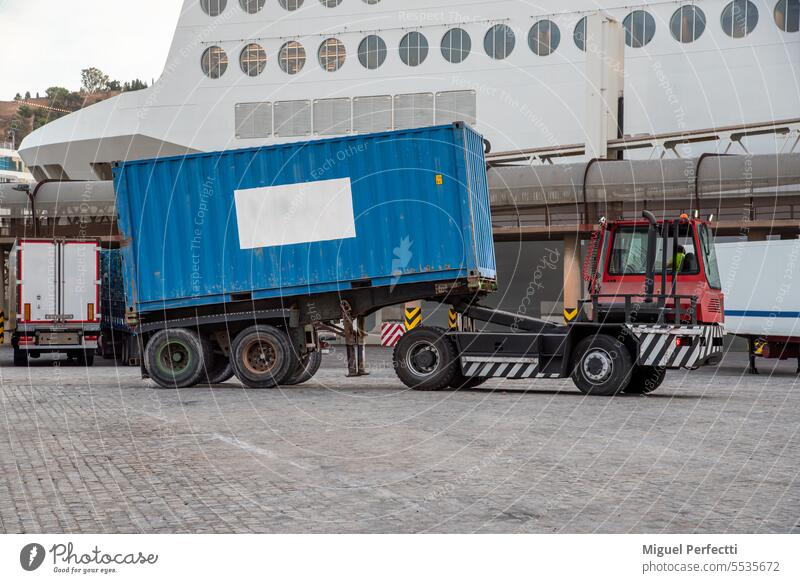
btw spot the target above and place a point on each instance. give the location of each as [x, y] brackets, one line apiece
[217, 7]
[687, 24]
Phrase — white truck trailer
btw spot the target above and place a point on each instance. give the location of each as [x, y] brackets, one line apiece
[761, 282]
[55, 300]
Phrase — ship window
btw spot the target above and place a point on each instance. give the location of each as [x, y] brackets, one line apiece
[292, 118]
[739, 18]
[252, 6]
[253, 60]
[55, 172]
[253, 120]
[640, 26]
[499, 41]
[331, 54]
[687, 24]
[544, 37]
[456, 45]
[452, 106]
[38, 173]
[214, 62]
[413, 110]
[579, 34]
[291, 5]
[372, 52]
[332, 116]
[372, 114]
[330, 3]
[413, 48]
[213, 7]
[787, 15]
[292, 57]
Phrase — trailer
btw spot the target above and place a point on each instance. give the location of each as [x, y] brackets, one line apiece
[56, 299]
[117, 337]
[235, 261]
[762, 293]
[655, 303]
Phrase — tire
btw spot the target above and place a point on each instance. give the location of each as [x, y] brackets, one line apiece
[85, 358]
[462, 382]
[262, 357]
[425, 359]
[219, 371]
[176, 358]
[601, 366]
[20, 357]
[306, 369]
[645, 379]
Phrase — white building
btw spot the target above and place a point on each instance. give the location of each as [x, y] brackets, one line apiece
[242, 73]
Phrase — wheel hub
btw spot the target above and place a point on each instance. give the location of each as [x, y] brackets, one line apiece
[597, 365]
[423, 359]
[174, 357]
[260, 357]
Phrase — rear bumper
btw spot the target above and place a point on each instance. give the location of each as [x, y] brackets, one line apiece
[57, 348]
[37, 331]
[670, 346]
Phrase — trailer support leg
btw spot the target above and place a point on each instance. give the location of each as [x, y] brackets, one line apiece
[751, 349]
[362, 346]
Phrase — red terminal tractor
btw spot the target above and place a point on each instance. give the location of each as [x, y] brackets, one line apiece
[654, 303]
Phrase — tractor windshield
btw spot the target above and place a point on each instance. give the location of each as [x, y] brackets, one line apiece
[710, 257]
[629, 251]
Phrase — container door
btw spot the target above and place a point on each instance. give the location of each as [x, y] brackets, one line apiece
[38, 297]
[79, 289]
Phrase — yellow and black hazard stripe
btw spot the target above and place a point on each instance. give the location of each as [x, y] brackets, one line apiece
[570, 314]
[452, 320]
[2, 327]
[413, 317]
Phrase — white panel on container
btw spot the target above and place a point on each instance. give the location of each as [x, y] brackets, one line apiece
[372, 114]
[295, 213]
[253, 120]
[456, 106]
[292, 118]
[332, 116]
[413, 110]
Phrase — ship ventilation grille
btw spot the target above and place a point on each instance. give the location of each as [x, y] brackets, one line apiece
[454, 106]
[332, 116]
[413, 110]
[372, 114]
[253, 120]
[292, 118]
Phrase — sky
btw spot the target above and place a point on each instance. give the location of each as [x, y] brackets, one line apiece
[48, 42]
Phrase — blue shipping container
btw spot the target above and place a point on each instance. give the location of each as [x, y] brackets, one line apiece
[304, 218]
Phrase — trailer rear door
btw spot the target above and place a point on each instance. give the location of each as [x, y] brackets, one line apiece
[38, 265]
[79, 277]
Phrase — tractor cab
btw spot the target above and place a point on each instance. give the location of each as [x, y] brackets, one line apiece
[651, 271]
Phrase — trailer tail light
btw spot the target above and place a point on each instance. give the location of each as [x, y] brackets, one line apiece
[681, 341]
[26, 312]
[27, 340]
[90, 338]
[90, 312]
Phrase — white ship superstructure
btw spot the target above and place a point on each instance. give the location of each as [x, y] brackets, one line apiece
[249, 72]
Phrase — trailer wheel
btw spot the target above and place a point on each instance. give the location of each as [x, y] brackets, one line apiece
[646, 379]
[601, 366]
[219, 370]
[20, 357]
[425, 359]
[306, 369]
[262, 356]
[85, 358]
[176, 358]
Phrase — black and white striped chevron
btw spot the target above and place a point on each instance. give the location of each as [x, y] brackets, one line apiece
[657, 346]
[503, 367]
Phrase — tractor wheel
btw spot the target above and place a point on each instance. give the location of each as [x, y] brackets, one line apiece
[601, 366]
[425, 359]
[646, 379]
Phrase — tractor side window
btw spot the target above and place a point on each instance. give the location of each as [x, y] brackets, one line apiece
[710, 257]
[629, 252]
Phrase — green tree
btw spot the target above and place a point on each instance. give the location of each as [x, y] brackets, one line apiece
[135, 85]
[18, 97]
[113, 86]
[93, 80]
[27, 95]
[57, 95]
